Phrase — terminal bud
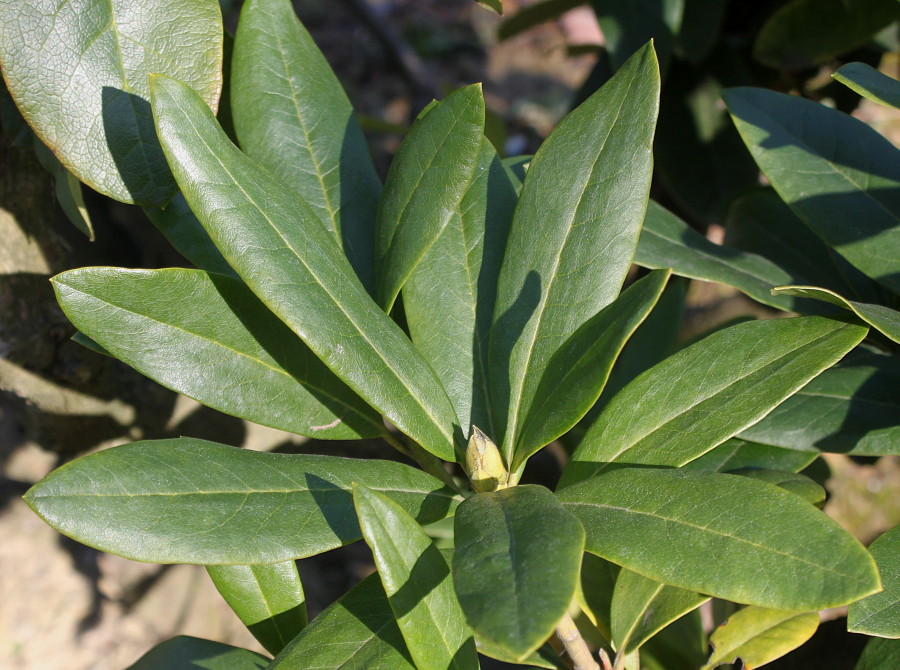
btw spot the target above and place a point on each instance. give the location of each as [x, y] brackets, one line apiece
[484, 463]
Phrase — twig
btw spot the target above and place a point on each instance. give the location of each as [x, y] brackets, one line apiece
[427, 461]
[576, 647]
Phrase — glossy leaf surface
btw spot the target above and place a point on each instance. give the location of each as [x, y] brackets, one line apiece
[191, 332]
[191, 501]
[642, 607]
[292, 116]
[757, 635]
[280, 249]
[516, 565]
[735, 454]
[578, 371]
[879, 614]
[86, 97]
[772, 549]
[193, 653]
[417, 582]
[851, 408]
[879, 654]
[430, 175]
[449, 297]
[838, 175]
[268, 599]
[882, 318]
[710, 391]
[870, 83]
[573, 233]
[358, 632]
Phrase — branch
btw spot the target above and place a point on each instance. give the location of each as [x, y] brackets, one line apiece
[576, 647]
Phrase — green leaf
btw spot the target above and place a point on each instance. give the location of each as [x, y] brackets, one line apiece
[804, 33]
[598, 581]
[796, 483]
[516, 565]
[292, 117]
[449, 298]
[573, 233]
[417, 582]
[682, 645]
[191, 501]
[701, 24]
[429, 177]
[668, 242]
[627, 26]
[710, 391]
[879, 654]
[193, 653]
[67, 189]
[735, 454]
[86, 97]
[870, 83]
[757, 636]
[838, 175]
[577, 372]
[286, 257]
[358, 632]
[191, 332]
[181, 228]
[268, 599]
[883, 319]
[851, 408]
[732, 537]
[879, 614]
[517, 168]
[534, 15]
[544, 657]
[642, 607]
[496, 5]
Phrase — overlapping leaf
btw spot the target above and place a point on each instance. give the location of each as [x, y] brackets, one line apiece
[735, 454]
[628, 25]
[191, 501]
[879, 654]
[883, 319]
[870, 83]
[879, 614]
[758, 635]
[188, 653]
[794, 482]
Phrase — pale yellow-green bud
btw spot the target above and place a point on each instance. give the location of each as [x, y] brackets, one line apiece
[484, 463]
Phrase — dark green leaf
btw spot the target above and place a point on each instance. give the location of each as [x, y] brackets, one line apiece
[700, 27]
[627, 26]
[417, 582]
[682, 645]
[757, 635]
[642, 607]
[517, 168]
[535, 14]
[851, 408]
[577, 372]
[358, 632]
[870, 83]
[735, 454]
[292, 116]
[882, 318]
[598, 581]
[879, 614]
[449, 298]
[731, 537]
[191, 501]
[804, 33]
[191, 332]
[516, 564]
[268, 599]
[67, 189]
[838, 175]
[879, 654]
[86, 97]
[710, 391]
[284, 254]
[429, 177]
[496, 5]
[192, 653]
[796, 483]
[573, 233]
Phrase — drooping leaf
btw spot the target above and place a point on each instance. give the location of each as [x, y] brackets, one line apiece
[433, 170]
[417, 582]
[735, 454]
[284, 254]
[87, 96]
[208, 337]
[67, 189]
[870, 83]
[534, 15]
[641, 607]
[449, 298]
[804, 33]
[268, 599]
[851, 408]
[627, 26]
[292, 116]
[838, 175]
[577, 372]
[516, 565]
[573, 234]
[879, 654]
[794, 482]
[193, 653]
[883, 319]
[710, 391]
[729, 537]
[190, 501]
[758, 635]
[358, 632]
[879, 614]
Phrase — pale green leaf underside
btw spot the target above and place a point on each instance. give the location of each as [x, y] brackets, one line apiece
[870, 83]
[191, 501]
[758, 635]
[879, 614]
